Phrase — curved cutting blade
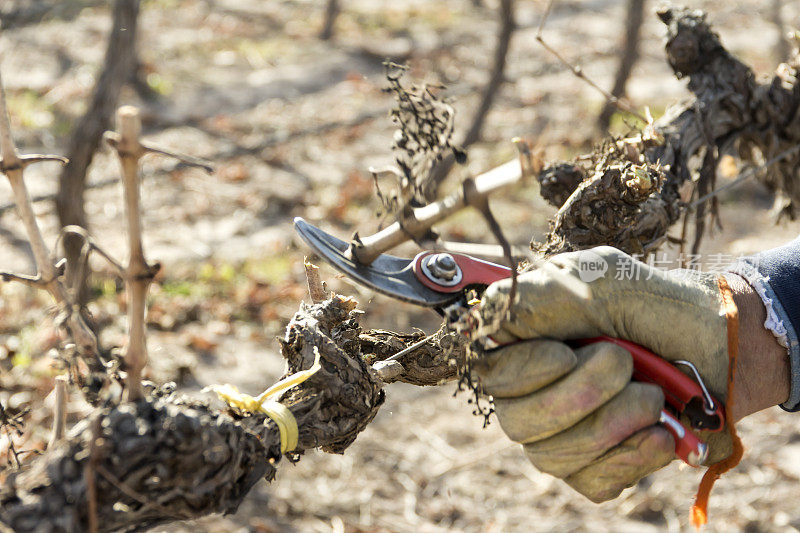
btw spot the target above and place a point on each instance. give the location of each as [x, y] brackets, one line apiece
[389, 275]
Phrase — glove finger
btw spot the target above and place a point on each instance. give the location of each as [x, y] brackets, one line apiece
[621, 467]
[636, 407]
[603, 370]
[543, 308]
[524, 367]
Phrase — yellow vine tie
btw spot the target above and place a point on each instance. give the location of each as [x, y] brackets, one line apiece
[267, 404]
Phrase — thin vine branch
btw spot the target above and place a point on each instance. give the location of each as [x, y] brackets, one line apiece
[59, 410]
[620, 103]
[13, 167]
[138, 274]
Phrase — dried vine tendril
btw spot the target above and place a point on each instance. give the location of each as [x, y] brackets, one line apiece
[481, 402]
[425, 123]
[12, 425]
[424, 135]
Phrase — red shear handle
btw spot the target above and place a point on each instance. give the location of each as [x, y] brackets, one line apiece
[680, 391]
[473, 272]
[687, 446]
[683, 393]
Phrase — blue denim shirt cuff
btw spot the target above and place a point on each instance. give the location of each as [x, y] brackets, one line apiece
[778, 321]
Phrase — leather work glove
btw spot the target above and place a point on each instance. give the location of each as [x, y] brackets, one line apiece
[576, 412]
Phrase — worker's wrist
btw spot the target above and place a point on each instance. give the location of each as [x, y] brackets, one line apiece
[762, 370]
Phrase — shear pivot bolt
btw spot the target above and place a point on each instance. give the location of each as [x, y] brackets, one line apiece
[443, 266]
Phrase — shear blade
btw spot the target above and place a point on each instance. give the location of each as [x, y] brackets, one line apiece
[389, 275]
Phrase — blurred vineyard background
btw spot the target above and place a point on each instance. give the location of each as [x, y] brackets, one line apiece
[292, 116]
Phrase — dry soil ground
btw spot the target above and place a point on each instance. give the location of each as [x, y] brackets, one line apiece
[292, 124]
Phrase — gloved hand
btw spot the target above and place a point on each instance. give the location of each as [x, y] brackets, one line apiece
[576, 412]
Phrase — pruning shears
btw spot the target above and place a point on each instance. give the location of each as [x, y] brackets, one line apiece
[440, 280]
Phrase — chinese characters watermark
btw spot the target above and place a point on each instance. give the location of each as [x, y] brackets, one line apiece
[592, 266]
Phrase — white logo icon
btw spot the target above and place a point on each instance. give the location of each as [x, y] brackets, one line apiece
[591, 266]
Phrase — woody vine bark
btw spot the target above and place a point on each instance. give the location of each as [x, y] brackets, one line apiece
[633, 190]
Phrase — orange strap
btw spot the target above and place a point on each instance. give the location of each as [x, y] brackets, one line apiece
[700, 507]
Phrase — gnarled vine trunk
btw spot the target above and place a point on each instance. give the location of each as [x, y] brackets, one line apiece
[730, 113]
